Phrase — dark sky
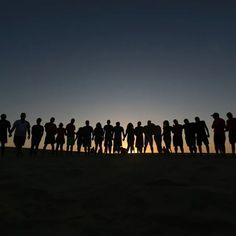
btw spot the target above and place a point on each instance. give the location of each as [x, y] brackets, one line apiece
[122, 60]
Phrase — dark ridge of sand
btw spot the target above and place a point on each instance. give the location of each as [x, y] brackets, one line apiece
[117, 195]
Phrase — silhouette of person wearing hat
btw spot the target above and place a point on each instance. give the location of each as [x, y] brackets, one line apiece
[231, 128]
[219, 133]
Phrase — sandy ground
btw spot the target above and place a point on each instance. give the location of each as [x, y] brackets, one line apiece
[117, 195]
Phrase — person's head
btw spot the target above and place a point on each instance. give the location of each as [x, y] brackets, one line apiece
[149, 122]
[52, 120]
[87, 122]
[117, 123]
[215, 115]
[60, 125]
[72, 121]
[175, 122]
[22, 116]
[166, 123]
[98, 125]
[139, 123]
[197, 119]
[108, 122]
[229, 115]
[38, 121]
[130, 125]
[3, 116]
[186, 121]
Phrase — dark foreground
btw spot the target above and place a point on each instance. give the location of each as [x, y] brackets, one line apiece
[133, 195]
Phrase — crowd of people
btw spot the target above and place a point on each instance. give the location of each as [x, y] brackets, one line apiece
[108, 139]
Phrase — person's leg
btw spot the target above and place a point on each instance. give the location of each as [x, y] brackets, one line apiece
[2, 148]
[233, 148]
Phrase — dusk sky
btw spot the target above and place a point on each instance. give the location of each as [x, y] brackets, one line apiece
[119, 60]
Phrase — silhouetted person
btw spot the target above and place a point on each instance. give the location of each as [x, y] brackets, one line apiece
[70, 133]
[190, 135]
[98, 136]
[79, 138]
[51, 130]
[157, 137]
[108, 130]
[5, 127]
[177, 137]
[139, 137]
[37, 133]
[87, 137]
[148, 132]
[60, 139]
[21, 128]
[231, 128]
[167, 129]
[130, 137]
[202, 134]
[118, 132]
[219, 133]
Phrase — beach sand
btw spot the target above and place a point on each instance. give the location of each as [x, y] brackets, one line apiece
[117, 195]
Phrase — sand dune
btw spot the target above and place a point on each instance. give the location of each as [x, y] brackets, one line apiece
[117, 195]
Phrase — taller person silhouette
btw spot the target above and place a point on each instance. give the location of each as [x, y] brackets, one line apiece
[148, 132]
[87, 136]
[108, 130]
[51, 130]
[21, 128]
[118, 133]
[219, 133]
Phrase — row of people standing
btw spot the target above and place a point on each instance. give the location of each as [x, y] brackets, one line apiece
[196, 134]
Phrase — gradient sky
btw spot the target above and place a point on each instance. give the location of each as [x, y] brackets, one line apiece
[119, 60]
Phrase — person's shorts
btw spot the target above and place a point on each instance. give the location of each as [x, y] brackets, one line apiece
[232, 138]
[87, 142]
[70, 141]
[50, 139]
[202, 139]
[219, 140]
[19, 140]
